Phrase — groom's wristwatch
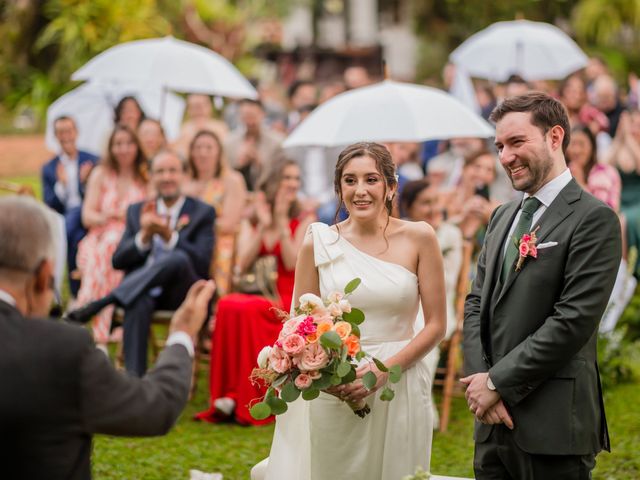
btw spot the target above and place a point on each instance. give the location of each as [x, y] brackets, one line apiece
[490, 384]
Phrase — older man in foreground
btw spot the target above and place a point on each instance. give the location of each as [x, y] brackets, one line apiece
[56, 388]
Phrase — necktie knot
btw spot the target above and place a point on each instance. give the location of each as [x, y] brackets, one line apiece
[530, 205]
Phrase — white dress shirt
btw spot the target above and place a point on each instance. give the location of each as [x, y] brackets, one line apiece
[7, 298]
[547, 194]
[69, 194]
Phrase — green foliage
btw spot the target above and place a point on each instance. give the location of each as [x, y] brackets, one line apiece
[331, 340]
[289, 392]
[343, 369]
[369, 380]
[355, 316]
[352, 285]
[387, 394]
[310, 394]
[277, 405]
[260, 411]
[395, 373]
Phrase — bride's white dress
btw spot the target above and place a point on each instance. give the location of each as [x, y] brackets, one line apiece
[323, 439]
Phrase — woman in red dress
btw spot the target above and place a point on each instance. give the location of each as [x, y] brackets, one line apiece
[244, 323]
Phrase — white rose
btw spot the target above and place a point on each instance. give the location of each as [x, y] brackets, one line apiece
[263, 356]
[309, 301]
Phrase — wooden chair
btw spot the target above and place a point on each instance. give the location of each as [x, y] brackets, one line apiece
[446, 376]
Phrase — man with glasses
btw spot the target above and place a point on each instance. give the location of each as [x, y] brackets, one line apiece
[56, 388]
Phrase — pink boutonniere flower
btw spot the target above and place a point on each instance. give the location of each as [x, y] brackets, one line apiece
[527, 248]
[182, 222]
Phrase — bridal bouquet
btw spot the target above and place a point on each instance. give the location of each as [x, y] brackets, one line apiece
[318, 348]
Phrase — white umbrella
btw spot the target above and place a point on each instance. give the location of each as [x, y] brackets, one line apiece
[533, 50]
[171, 63]
[388, 112]
[92, 107]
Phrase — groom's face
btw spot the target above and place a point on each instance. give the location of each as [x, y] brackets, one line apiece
[524, 152]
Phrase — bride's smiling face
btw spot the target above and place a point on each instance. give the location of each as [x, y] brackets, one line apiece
[363, 188]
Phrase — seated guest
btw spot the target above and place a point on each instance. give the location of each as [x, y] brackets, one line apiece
[129, 112]
[57, 388]
[421, 203]
[166, 247]
[118, 181]
[246, 323]
[213, 182]
[152, 137]
[253, 147]
[599, 179]
[469, 204]
[63, 186]
[200, 116]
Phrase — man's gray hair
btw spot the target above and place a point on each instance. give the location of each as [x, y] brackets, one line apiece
[25, 234]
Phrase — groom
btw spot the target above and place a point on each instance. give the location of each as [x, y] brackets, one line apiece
[531, 319]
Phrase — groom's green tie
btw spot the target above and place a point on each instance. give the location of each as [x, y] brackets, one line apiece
[523, 226]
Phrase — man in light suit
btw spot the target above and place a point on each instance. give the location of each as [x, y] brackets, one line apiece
[544, 276]
[166, 247]
[56, 388]
[63, 181]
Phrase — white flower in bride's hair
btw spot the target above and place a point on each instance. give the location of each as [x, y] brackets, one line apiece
[263, 356]
[311, 303]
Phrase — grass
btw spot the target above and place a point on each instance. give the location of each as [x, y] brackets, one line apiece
[233, 450]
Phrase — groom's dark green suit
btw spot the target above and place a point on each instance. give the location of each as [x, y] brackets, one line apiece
[536, 333]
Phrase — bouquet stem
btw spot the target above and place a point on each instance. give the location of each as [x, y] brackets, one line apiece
[360, 408]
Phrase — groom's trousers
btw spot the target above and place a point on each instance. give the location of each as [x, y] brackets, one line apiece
[500, 458]
[161, 285]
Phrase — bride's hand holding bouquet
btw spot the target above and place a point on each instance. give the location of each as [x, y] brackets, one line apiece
[317, 350]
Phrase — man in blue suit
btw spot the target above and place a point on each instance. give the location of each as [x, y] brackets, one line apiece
[63, 181]
[166, 247]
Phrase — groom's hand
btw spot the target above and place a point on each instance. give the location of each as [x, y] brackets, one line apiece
[479, 397]
[498, 414]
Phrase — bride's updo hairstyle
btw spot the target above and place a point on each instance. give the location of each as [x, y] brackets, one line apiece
[384, 166]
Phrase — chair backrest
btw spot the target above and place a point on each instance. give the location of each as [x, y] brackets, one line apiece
[463, 283]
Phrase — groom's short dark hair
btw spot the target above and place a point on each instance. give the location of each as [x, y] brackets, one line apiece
[546, 112]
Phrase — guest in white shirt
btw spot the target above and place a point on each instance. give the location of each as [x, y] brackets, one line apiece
[166, 247]
[63, 184]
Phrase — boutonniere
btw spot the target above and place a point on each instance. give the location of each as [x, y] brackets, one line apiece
[182, 222]
[527, 247]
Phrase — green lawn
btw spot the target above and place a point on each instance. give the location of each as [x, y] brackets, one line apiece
[232, 450]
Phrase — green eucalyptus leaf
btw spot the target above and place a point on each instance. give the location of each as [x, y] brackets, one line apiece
[352, 285]
[369, 380]
[331, 340]
[289, 392]
[354, 316]
[381, 366]
[280, 380]
[395, 373]
[355, 330]
[336, 380]
[387, 394]
[277, 405]
[322, 382]
[349, 377]
[310, 393]
[343, 369]
[260, 411]
[360, 355]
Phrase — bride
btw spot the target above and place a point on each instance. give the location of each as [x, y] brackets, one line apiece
[400, 266]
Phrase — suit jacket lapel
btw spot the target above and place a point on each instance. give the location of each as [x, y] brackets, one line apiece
[187, 209]
[494, 251]
[553, 216]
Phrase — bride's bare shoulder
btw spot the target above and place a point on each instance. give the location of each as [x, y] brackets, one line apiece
[416, 231]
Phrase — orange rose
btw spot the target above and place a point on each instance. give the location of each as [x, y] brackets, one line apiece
[312, 337]
[353, 345]
[323, 327]
[343, 329]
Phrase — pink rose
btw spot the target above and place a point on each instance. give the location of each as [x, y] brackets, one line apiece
[335, 297]
[313, 357]
[306, 327]
[524, 249]
[533, 251]
[290, 326]
[322, 317]
[314, 374]
[293, 344]
[345, 306]
[334, 310]
[303, 381]
[526, 238]
[279, 360]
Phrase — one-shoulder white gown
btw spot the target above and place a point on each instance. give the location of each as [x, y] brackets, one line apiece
[323, 439]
